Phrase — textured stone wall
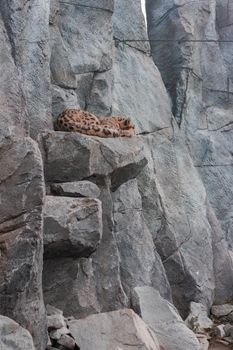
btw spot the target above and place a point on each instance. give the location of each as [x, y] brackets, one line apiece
[198, 75]
[119, 77]
[155, 211]
[24, 109]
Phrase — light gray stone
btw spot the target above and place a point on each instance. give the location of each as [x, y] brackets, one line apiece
[76, 189]
[121, 157]
[51, 310]
[126, 28]
[99, 100]
[223, 264]
[56, 334]
[72, 227]
[198, 319]
[140, 264]
[13, 336]
[55, 321]
[21, 259]
[121, 328]
[150, 108]
[163, 318]
[176, 200]
[222, 310]
[87, 71]
[27, 29]
[197, 72]
[63, 99]
[12, 112]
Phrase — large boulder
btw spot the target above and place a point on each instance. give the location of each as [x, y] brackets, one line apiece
[89, 155]
[163, 319]
[13, 336]
[123, 329]
[72, 227]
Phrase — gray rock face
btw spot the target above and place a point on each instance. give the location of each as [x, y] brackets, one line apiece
[163, 318]
[123, 329]
[223, 310]
[126, 28]
[95, 285]
[85, 73]
[78, 276]
[91, 156]
[22, 194]
[13, 337]
[12, 112]
[183, 246]
[134, 70]
[198, 319]
[72, 227]
[27, 29]
[222, 260]
[150, 108]
[76, 189]
[175, 199]
[24, 97]
[140, 264]
[198, 76]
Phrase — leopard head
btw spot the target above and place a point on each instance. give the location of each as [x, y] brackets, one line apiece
[126, 124]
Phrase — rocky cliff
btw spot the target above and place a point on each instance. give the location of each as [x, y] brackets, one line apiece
[115, 224]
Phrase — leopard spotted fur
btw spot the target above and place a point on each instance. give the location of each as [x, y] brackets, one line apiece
[87, 123]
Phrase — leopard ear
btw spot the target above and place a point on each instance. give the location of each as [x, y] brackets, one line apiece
[127, 122]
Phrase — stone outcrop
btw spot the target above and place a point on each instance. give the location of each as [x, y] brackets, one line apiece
[13, 336]
[163, 319]
[198, 319]
[118, 329]
[91, 156]
[72, 227]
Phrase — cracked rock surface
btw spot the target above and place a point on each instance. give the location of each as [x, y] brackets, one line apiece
[123, 329]
[72, 227]
[163, 319]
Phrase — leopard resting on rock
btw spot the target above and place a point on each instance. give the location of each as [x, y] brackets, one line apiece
[87, 123]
